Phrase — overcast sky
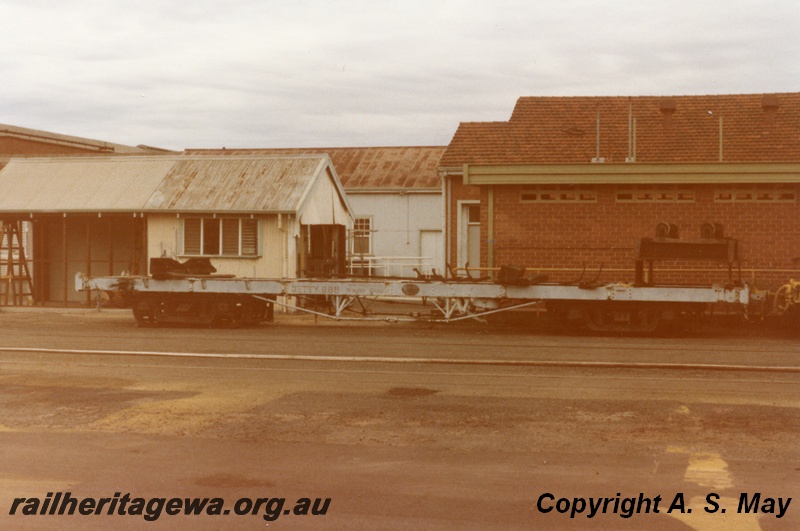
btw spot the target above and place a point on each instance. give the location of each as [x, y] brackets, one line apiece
[259, 73]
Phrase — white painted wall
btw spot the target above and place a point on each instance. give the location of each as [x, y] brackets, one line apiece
[164, 233]
[397, 220]
[279, 234]
[324, 206]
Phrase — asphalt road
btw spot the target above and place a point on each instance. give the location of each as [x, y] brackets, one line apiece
[401, 426]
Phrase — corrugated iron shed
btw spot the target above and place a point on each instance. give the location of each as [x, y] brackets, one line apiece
[368, 168]
[155, 184]
[85, 184]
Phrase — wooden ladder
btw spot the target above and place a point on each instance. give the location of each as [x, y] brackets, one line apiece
[14, 273]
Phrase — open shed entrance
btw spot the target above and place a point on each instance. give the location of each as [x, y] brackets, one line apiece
[58, 246]
[323, 251]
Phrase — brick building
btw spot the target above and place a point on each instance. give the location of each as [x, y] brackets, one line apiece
[573, 183]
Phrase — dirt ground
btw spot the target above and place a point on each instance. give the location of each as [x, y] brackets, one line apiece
[454, 444]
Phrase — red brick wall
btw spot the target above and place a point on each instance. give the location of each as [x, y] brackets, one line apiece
[559, 235]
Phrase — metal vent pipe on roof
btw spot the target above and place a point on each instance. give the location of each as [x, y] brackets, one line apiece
[597, 157]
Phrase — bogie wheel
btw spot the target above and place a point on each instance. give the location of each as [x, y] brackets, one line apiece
[624, 318]
[568, 318]
[229, 311]
[236, 315]
[791, 320]
[144, 309]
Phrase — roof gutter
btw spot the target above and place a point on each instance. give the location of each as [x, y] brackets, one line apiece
[690, 173]
[403, 191]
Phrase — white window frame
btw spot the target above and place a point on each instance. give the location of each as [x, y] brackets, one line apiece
[357, 234]
[462, 228]
[221, 220]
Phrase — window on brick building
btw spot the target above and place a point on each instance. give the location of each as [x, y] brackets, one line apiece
[654, 195]
[556, 195]
[755, 195]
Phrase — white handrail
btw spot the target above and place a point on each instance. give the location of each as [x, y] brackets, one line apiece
[398, 266]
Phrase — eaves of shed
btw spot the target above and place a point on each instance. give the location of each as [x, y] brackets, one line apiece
[241, 184]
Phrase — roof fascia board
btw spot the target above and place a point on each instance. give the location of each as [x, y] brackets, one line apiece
[306, 196]
[27, 212]
[339, 187]
[324, 164]
[220, 212]
[449, 170]
[393, 191]
[632, 173]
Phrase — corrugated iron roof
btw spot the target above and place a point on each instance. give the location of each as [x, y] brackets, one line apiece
[241, 184]
[368, 168]
[85, 184]
[147, 184]
[674, 129]
[91, 146]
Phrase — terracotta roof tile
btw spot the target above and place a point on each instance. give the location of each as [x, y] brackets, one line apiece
[555, 130]
[487, 142]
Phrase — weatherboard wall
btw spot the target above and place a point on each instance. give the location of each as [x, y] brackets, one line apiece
[165, 239]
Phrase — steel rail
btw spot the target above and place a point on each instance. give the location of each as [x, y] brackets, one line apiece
[437, 374]
[420, 361]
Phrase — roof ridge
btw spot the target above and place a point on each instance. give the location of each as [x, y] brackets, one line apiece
[668, 128]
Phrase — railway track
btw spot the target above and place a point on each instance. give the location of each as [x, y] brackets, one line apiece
[418, 360]
[390, 338]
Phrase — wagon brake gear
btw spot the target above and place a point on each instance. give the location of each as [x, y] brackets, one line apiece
[236, 301]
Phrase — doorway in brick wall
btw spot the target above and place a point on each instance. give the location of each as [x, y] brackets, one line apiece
[469, 236]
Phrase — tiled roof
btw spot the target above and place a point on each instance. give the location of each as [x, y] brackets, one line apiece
[556, 130]
[367, 168]
[484, 142]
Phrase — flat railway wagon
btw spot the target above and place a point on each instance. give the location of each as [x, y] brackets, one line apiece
[192, 293]
[213, 299]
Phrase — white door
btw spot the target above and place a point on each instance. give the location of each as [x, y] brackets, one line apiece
[469, 239]
[430, 249]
